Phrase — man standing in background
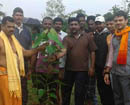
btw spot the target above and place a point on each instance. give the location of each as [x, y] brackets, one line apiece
[82, 22]
[23, 35]
[90, 96]
[58, 23]
[100, 37]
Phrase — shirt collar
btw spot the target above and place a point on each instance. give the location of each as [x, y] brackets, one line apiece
[20, 28]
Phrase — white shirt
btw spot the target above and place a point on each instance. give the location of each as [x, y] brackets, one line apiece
[62, 60]
[20, 28]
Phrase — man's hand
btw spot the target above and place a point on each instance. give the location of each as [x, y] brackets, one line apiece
[43, 46]
[107, 75]
[61, 74]
[91, 72]
[106, 79]
[51, 58]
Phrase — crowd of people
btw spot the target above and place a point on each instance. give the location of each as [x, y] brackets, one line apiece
[96, 55]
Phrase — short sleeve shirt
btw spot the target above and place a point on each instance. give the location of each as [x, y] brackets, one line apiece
[78, 51]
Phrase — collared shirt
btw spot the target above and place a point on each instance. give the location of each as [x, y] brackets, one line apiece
[20, 28]
[61, 36]
[78, 51]
[23, 35]
[122, 70]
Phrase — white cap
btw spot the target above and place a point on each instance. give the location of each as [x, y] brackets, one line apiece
[100, 19]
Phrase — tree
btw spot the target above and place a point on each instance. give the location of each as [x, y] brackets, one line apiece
[1, 12]
[74, 13]
[55, 8]
[115, 9]
[108, 15]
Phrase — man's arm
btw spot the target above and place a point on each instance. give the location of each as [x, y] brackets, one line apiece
[57, 55]
[92, 59]
[29, 53]
[62, 53]
[108, 64]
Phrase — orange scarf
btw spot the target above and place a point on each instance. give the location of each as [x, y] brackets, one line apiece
[122, 55]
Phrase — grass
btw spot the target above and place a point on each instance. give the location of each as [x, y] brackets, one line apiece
[33, 97]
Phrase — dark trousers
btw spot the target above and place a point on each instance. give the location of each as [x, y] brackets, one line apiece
[105, 91]
[24, 90]
[79, 78]
[24, 86]
[121, 89]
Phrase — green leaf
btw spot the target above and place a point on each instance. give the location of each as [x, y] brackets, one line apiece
[52, 35]
[59, 82]
[55, 71]
[41, 92]
[41, 38]
[51, 49]
[44, 59]
[52, 95]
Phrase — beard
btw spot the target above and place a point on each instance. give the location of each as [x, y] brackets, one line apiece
[73, 32]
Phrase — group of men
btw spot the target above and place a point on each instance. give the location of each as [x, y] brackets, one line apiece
[99, 52]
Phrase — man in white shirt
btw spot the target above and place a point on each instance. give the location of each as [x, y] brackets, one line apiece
[58, 23]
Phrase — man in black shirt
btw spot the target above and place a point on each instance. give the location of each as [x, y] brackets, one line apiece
[100, 37]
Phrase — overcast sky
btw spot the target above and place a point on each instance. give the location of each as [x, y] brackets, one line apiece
[36, 8]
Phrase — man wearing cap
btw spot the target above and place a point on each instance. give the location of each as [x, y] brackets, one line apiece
[100, 36]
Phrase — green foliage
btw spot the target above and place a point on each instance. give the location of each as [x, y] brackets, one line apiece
[41, 92]
[47, 80]
[108, 15]
[52, 95]
[55, 8]
[52, 35]
[41, 38]
[51, 49]
[74, 13]
[1, 12]
[46, 36]
[32, 94]
[115, 9]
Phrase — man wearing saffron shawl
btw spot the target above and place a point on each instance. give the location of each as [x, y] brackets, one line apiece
[12, 64]
[119, 60]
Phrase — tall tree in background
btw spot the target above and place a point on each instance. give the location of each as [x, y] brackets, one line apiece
[108, 15]
[74, 13]
[55, 8]
[1, 13]
[115, 9]
[125, 7]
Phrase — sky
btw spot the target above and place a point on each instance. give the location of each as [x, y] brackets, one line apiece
[36, 8]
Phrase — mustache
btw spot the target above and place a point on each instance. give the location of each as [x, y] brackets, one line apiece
[11, 31]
